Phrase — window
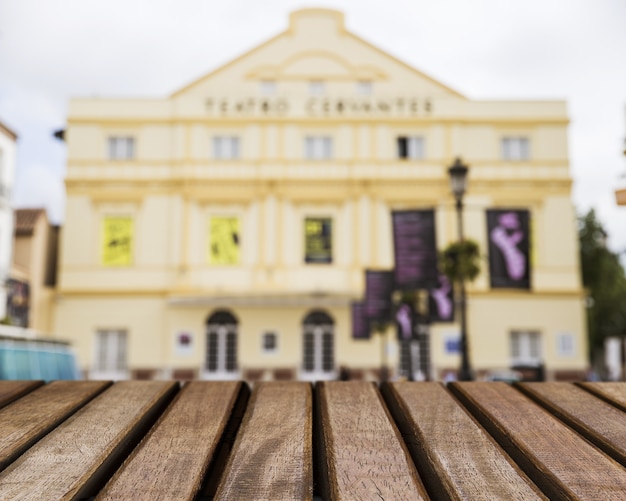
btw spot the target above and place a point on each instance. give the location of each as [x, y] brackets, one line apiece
[515, 148]
[316, 88]
[268, 87]
[364, 88]
[224, 240]
[525, 348]
[318, 241]
[121, 148]
[117, 241]
[411, 147]
[565, 346]
[110, 351]
[269, 342]
[318, 147]
[225, 147]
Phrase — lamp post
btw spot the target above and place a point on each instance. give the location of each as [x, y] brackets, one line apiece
[458, 186]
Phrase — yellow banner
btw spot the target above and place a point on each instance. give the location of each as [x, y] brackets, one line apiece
[224, 240]
[117, 241]
[318, 240]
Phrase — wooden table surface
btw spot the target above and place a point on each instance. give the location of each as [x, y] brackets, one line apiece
[159, 440]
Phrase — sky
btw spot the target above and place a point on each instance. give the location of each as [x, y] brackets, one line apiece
[575, 50]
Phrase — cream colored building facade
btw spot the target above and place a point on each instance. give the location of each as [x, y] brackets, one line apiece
[187, 247]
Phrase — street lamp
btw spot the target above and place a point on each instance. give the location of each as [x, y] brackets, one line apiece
[458, 186]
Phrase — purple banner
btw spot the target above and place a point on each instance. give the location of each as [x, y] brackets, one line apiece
[509, 248]
[360, 324]
[415, 248]
[441, 301]
[405, 317]
[378, 289]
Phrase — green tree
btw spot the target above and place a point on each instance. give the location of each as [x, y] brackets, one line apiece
[605, 280]
[460, 260]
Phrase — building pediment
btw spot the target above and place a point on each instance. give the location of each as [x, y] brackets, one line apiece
[316, 46]
[316, 64]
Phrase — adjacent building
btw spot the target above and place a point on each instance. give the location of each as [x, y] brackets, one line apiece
[33, 271]
[8, 140]
[223, 231]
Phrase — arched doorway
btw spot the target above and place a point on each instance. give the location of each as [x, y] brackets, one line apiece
[220, 360]
[318, 346]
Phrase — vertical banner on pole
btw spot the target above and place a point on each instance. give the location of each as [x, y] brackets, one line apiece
[441, 301]
[415, 248]
[360, 324]
[405, 318]
[509, 248]
[413, 335]
[378, 290]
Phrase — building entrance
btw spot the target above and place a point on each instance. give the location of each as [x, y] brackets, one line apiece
[318, 358]
[221, 346]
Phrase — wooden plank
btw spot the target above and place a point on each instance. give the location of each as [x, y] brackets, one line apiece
[363, 455]
[26, 420]
[456, 457]
[598, 421]
[272, 456]
[562, 463]
[173, 459]
[76, 459]
[612, 392]
[12, 390]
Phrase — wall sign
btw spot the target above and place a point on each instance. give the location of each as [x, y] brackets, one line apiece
[452, 343]
[400, 106]
[183, 343]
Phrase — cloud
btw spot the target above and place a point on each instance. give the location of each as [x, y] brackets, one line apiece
[37, 186]
[485, 49]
